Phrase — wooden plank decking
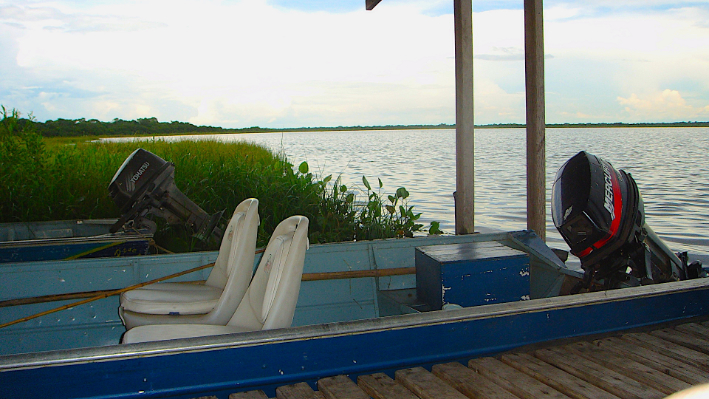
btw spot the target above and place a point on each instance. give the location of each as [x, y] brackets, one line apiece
[651, 364]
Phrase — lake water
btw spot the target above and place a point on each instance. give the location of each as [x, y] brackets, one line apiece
[669, 165]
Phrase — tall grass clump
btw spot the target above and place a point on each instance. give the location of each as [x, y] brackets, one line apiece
[216, 176]
[21, 165]
[56, 179]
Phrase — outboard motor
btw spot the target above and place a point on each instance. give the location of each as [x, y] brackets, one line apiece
[145, 184]
[600, 214]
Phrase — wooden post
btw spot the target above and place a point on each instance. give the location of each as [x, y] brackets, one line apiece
[536, 156]
[464, 122]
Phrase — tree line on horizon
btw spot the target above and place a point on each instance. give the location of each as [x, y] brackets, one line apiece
[153, 127]
[117, 127]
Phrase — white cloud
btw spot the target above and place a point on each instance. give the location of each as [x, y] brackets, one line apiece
[498, 32]
[630, 3]
[662, 106]
[495, 105]
[240, 54]
[561, 12]
[628, 53]
[247, 63]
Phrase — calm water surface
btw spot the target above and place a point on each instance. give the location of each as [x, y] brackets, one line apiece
[669, 165]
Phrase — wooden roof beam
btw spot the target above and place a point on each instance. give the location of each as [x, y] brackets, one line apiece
[370, 4]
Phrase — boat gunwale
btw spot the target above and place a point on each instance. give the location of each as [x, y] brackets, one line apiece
[109, 237]
[329, 330]
[383, 243]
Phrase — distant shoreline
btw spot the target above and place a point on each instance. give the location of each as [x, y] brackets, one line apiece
[143, 127]
[490, 126]
[601, 125]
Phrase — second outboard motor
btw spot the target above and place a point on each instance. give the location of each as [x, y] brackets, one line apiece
[600, 214]
[145, 184]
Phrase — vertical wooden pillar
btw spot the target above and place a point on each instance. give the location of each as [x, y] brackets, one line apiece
[536, 155]
[464, 123]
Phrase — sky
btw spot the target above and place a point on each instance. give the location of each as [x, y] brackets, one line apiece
[289, 63]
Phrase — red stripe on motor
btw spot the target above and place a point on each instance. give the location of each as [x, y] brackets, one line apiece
[584, 252]
[617, 211]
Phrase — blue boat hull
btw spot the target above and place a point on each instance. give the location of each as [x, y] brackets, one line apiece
[68, 240]
[350, 326]
[75, 250]
[264, 360]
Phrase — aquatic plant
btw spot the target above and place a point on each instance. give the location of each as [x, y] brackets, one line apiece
[335, 216]
[341, 215]
[379, 218]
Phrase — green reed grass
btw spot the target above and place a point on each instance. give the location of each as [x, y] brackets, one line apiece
[216, 176]
[59, 179]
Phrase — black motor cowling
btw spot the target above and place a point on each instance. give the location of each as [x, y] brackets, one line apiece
[145, 184]
[600, 214]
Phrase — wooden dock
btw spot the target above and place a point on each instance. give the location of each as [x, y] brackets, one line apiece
[642, 365]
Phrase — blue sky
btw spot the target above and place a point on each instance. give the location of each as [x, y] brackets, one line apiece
[287, 63]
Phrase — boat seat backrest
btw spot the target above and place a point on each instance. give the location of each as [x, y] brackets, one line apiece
[220, 273]
[238, 251]
[271, 297]
[268, 273]
[236, 229]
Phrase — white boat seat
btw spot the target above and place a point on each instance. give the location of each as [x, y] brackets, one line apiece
[270, 300]
[215, 301]
[173, 299]
[164, 332]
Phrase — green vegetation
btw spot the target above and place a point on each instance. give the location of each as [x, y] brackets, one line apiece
[341, 215]
[21, 157]
[118, 127]
[56, 179]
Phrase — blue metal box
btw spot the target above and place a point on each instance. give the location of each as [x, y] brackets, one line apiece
[471, 274]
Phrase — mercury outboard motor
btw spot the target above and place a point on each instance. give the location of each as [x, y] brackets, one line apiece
[600, 214]
[145, 184]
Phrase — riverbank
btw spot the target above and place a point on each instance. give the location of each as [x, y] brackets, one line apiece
[64, 179]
